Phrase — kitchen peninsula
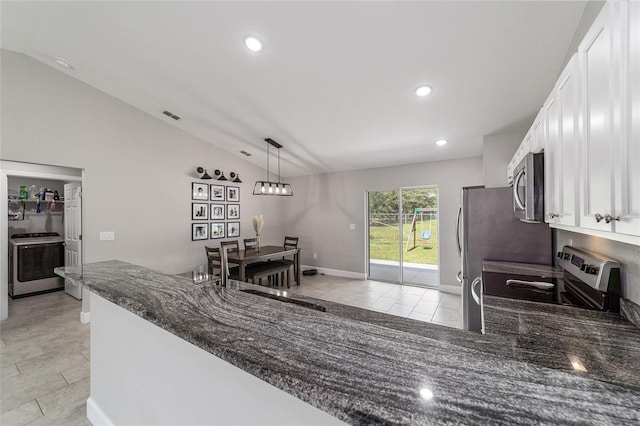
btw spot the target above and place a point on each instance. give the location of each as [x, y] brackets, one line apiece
[167, 351]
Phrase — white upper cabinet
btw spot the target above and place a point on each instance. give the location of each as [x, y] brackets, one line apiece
[627, 161]
[561, 149]
[538, 132]
[598, 73]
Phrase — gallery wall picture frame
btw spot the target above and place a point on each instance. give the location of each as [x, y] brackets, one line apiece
[217, 230]
[233, 194]
[233, 211]
[233, 229]
[217, 211]
[199, 211]
[217, 192]
[199, 231]
[199, 191]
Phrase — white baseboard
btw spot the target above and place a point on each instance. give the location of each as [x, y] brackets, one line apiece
[85, 317]
[337, 272]
[96, 416]
[454, 289]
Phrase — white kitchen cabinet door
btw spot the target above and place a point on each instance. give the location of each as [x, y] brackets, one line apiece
[627, 161]
[538, 132]
[568, 107]
[552, 170]
[597, 71]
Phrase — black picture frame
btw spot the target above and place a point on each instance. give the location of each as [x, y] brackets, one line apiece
[217, 211]
[217, 192]
[199, 211]
[233, 211]
[199, 191]
[233, 194]
[233, 229]
[199, 231]
[217, 230]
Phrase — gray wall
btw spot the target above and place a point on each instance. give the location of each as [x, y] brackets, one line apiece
[324, 206]
[627, 254]
[138, 169]
[497, 151]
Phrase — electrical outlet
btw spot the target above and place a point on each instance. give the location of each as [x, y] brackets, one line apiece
[570, 242]
[315, 255]
[107, 236]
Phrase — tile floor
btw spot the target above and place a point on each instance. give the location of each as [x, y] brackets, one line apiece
[44, 355]
[418, 303]
[44, 349]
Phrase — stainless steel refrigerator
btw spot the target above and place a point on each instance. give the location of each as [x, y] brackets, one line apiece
[488, 230]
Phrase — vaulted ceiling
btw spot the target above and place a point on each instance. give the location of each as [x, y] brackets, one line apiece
[334, 82]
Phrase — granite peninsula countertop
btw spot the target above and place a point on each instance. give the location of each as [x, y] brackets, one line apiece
[360, 366]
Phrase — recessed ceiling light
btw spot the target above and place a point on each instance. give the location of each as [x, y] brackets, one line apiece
[63, 63]
[423, 90]
[441, 142]
[253, 43]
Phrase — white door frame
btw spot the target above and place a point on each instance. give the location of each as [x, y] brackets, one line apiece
[401, 236]
[18, 169]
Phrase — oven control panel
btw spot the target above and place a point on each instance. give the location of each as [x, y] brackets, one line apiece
[594, 270]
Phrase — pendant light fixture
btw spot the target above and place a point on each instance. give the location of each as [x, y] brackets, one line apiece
[202, 170]
[267, 187]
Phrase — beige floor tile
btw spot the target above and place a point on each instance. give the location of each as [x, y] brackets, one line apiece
[451, 301]
[400, 310]
[12, 353]
[86, 355]
[420, 316]
[383, 304]
[9, 371]
[50, 361]
[64, 397]
[71, 413]
[432, 296]
[77, 372]
[418, 291]
[409, 299]
[443, 315]
[21, 415]
[426, 307]
[20, 389]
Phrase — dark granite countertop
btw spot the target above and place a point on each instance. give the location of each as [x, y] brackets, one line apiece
[361, 366]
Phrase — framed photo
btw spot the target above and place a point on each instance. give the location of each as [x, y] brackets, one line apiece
[233, 211]
[233, 229]
[199, 191]
[217, 230]
[217, 211]
[199, 211]
[199, 231]
[233, 193]
[217, 192]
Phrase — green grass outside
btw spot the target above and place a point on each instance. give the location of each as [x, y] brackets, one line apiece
[383, 243]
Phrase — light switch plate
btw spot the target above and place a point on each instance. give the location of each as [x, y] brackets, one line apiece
[352, 226]
[107, 236]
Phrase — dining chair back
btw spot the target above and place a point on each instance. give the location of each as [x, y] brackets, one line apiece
[250, 243]
[225, 248]
[213, 260]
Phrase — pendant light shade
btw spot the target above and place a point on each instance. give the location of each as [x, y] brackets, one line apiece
[268, 187]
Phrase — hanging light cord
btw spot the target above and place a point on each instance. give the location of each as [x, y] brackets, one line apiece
[267, 162]
[278, 165]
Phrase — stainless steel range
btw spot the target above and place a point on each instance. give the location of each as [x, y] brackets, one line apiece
[590, 280]
[32, 259]
[582, 279]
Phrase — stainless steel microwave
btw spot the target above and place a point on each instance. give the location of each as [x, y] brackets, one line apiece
[528, 188]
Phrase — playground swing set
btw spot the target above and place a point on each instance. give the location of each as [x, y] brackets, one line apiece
[425, 234]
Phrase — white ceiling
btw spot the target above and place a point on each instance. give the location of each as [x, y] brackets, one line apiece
[335, 82]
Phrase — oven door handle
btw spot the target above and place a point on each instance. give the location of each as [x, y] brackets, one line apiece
[527, 284]
[516, 196]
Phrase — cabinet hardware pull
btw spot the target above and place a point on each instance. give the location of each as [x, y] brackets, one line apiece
[608, 218]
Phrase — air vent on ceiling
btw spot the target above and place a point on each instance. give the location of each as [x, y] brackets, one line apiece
[245, 153]
[170, 114]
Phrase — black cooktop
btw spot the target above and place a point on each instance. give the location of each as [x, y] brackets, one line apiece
[36, 235]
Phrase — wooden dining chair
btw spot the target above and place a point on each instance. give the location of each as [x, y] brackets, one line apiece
[214, 262]
[291, 242]
[250, 243]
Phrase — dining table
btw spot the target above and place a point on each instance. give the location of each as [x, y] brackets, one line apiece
[243, 257]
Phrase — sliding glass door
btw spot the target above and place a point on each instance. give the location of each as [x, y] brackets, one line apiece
[403, 235]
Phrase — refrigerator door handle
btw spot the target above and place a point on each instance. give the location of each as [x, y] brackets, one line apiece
[516, 196]
[476, 296]
[458, 231]
[459, 277]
